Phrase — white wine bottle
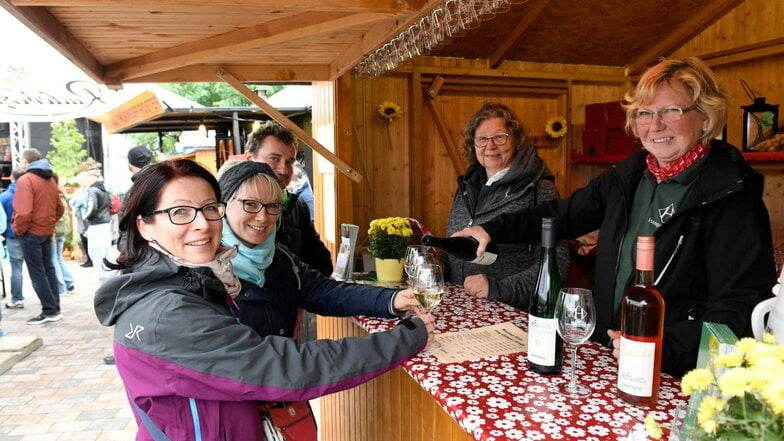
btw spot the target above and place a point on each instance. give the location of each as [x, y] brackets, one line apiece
[463, 248]
[545, 346]
[642, 330]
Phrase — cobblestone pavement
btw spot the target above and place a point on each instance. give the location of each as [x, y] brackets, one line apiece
[63, 391]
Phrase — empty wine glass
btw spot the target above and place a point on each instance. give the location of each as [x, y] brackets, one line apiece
[416, 256]
[429, 286]
[576, 321]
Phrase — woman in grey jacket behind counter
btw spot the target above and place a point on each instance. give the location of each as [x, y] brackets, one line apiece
[506, 175]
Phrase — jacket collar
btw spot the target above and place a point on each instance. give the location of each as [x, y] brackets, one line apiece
[526, 167]
[725, 172]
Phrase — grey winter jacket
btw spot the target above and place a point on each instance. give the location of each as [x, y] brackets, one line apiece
[175, 340]
[512, 278]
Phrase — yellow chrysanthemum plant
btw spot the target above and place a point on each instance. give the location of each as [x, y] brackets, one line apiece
[742, 397]
[390, 110]
[389, 237]
[556, 127]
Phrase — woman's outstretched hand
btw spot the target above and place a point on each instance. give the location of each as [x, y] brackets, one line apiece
[405, 301]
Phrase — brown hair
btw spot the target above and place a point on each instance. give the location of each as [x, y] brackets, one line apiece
[487, 111]
[31, 155]
[708, 96]
[142, 199]
[269, 128]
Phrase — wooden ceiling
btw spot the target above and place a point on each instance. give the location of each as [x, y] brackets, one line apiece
[119, 41]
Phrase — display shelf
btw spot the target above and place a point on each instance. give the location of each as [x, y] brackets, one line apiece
[764, 156]
[612, 159]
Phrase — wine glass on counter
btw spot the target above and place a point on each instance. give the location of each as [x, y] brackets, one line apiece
[429, 286]
[576, 321]
[416, 256]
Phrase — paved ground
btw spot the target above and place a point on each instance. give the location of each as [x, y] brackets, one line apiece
[63, 391]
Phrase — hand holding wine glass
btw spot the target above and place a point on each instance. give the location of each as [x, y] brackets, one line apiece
[576, 321]
[429, 286]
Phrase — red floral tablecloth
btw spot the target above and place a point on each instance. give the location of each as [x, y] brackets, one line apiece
[498, 398]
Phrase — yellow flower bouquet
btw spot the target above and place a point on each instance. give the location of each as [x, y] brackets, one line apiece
[742, 398]
[389, 237]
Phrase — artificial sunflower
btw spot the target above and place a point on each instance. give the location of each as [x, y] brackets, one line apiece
[390, 110]
[556, 127]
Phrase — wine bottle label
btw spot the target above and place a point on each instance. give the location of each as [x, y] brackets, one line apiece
[541, 340]
[635, 367]
[485, 259]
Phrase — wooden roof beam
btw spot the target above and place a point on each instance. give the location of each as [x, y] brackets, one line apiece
[376, 36]
[506, 46]
[663, 47]
[283, 73]
[355, 6]
[276, 31]
[43, 23]
[273, 113]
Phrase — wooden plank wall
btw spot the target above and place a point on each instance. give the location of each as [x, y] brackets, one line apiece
[405, 162]
[407, 168]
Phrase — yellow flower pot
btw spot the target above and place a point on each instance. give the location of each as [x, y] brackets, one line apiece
[389, 270]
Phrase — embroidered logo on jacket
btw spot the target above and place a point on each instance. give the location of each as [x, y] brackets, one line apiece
[135, 331]
[666, 213]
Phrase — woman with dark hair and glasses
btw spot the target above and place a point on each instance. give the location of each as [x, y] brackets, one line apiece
[275, 283]
[190, 369]
[505, 175]
[695, 194]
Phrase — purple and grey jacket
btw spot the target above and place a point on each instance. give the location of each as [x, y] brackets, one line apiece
[175, 339]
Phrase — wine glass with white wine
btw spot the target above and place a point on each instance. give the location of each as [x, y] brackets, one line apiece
[429, 286]
[576, 321]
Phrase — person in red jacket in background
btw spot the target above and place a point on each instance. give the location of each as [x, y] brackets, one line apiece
[37, 207]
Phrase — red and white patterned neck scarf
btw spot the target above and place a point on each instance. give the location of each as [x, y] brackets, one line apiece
[677, 167]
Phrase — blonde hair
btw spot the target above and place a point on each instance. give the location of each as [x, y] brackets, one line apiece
[259, 184]
[707, 96]
[88, 178]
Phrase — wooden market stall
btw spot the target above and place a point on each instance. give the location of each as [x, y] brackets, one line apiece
[543, 58]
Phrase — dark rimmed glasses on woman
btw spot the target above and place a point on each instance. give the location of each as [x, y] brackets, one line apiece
[498, 139]
[669, 114]
[185, 214]
[254, 206]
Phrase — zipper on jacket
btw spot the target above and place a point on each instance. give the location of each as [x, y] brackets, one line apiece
[294, 269]
[669, 261]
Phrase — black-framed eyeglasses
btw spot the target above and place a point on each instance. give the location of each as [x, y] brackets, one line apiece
[185, 214]
[498, 139]
[668, 114]
[254, 206]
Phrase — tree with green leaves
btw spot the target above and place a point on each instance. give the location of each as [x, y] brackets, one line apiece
[210, 94]
[69, 151]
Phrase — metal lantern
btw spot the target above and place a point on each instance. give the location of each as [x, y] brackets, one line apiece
[760, 121]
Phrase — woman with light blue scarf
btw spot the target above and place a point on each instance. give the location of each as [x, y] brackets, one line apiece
[274, 282]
